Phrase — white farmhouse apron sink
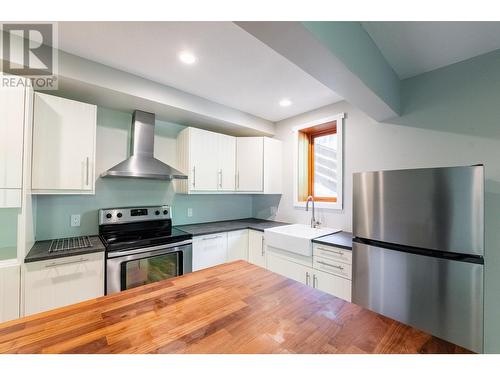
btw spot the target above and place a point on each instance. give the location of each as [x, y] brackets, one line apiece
[295, 238]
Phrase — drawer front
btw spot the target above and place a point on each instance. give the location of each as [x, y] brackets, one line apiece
[333, 253]
[209, 250]
[333, 267]
[63, 281]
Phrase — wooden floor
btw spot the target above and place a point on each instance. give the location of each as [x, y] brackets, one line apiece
[232, 308]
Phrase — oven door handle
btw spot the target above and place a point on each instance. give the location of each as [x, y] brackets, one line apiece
[148, 250]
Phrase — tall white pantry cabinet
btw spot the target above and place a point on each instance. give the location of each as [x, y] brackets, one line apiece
[47, 146]
[15, 179]
[12, 102]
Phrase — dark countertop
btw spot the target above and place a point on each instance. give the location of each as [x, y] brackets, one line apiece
[40, 250]
[228, 226]
[339, 239]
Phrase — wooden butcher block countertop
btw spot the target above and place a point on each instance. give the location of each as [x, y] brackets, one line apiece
[232, 308]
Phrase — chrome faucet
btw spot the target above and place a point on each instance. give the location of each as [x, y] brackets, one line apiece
[314, 223]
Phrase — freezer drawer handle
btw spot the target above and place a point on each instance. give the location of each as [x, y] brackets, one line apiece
[330, 265]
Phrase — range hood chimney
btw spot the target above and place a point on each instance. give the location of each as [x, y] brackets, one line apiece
[142, 164]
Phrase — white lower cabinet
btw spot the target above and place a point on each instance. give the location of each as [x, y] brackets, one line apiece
[329, 270]
[292, 270]
[331, 284]
[237, 245]
[10, 279]
[209, 250]
[323, 274]
[256, 248]
[64, 281]
[250, 164]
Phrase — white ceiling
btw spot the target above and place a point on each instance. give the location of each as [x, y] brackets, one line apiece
[412, 48]
[233, 67]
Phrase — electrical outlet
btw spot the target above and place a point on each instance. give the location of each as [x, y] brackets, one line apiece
[190, 212]
[75, 220]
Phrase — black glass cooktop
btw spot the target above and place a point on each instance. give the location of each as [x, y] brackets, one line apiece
[138, 235]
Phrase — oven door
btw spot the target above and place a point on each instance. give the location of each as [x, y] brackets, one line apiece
[132, 268]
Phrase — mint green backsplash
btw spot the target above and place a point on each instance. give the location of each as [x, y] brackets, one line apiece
[113, 137]
[8, 233]
[54, 212]
[350, 42]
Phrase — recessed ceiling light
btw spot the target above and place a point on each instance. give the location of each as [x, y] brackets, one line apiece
[187, 57]
[285, 102]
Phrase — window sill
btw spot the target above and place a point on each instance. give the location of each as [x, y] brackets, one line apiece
[326, 205]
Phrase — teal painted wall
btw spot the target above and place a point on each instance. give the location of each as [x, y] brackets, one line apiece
[113, 137]
[464, 98]
[350, 42]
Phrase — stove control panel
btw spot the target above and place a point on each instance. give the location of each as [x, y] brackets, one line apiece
[133, 214]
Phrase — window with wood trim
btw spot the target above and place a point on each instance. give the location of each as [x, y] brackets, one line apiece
[318, 172]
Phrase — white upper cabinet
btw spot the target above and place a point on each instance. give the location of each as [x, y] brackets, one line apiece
[250, 164]
[273, 166]
[209, 160]
[12, 103]
[227, 162]
[218, 163]
[204, 160]
[63, 146]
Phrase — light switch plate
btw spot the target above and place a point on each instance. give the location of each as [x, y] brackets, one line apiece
[190, 212]
[75, 220]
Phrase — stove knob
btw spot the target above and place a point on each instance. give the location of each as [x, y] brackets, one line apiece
[108, 216]
[119, 214]
[157, 212]
[165, 212]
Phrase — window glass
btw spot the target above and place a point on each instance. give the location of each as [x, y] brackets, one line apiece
[325, 166]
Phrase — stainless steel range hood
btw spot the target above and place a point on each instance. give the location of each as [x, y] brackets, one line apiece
[142, 164]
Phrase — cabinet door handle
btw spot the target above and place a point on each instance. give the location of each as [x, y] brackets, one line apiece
[331, 265]
[87, 169]
[220, 178]
[308, 277]
[262, 245]
[62, 264]
[238, 180]
[194, 176]
[314, 281]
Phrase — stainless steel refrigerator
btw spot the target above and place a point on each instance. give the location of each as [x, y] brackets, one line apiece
[418, 249]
